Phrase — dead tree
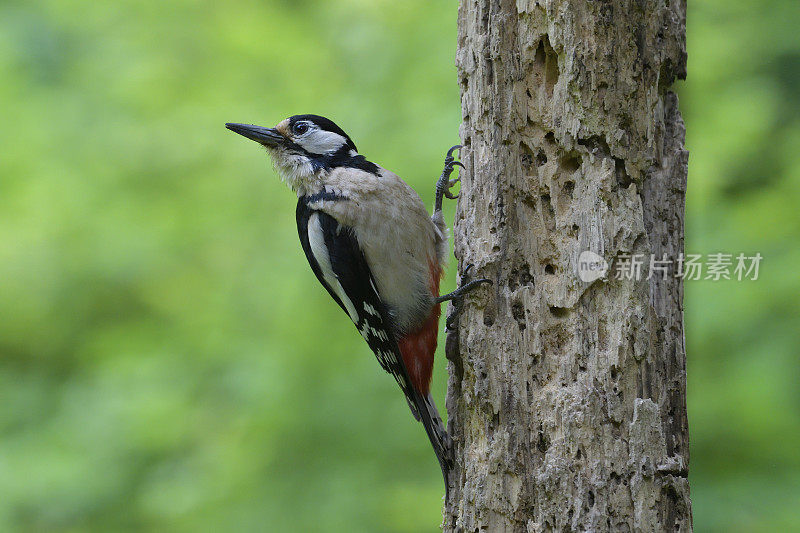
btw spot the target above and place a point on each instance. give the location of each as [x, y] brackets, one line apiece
[567, 395]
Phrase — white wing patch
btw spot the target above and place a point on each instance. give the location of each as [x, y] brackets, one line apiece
[316, 241]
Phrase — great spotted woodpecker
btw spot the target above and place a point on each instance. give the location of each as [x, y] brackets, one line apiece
[373, 246]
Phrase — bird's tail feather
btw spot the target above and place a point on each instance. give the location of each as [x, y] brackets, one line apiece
[437, 434]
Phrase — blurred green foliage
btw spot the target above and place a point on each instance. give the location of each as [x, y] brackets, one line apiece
[168, 361]
[741, 103]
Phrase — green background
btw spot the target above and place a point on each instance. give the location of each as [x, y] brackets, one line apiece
[167, 360]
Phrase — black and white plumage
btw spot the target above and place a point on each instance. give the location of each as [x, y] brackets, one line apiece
[373, 246]
[336, 258]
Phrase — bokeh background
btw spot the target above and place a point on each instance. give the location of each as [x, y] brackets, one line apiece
[168, 361]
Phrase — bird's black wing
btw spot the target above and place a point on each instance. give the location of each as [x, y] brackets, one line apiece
[336, 258]
[338, 262]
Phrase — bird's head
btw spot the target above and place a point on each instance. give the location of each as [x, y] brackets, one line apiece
[303, 147]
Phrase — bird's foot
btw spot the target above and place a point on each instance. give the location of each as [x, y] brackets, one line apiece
[457, 296]
[445, 183]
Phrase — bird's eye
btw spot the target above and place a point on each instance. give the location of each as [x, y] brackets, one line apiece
[300, 128]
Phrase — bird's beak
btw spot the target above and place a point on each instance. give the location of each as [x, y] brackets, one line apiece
[265, 136]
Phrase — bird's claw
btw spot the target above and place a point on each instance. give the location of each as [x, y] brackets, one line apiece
[445, 183]
[457, 296]
[453, 149]
[450, 184]
[449, 166]
[465, 274]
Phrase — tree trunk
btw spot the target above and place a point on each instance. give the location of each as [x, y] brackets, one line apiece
[567, 396]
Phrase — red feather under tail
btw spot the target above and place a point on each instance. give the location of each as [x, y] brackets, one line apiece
[419, 347]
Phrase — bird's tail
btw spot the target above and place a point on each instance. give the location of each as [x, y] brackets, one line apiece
[437, 434]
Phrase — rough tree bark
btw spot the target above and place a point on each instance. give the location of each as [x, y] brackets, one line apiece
[567, 398]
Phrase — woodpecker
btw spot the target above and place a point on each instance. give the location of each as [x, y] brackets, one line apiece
[373, 246]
